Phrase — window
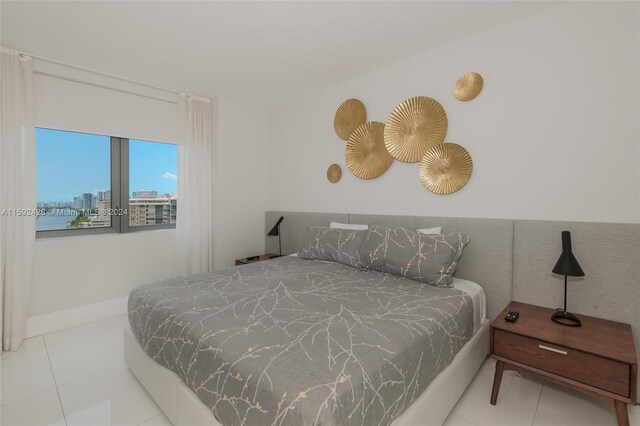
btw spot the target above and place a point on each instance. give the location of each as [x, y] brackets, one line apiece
[153, 183]
[74, 180]
[91, 184]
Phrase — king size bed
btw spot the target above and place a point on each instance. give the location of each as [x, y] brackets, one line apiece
[307, 341]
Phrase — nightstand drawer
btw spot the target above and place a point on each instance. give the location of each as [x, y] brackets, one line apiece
[602, 373]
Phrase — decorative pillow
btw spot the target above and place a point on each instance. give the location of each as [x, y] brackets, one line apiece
[431, 259]
[335, 245]
[339, 225]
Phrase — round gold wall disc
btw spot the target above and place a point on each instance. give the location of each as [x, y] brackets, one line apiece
[334, 173]
[413, 127]
[468, 86]
[366, 155]
[445, 168]
[350, 114]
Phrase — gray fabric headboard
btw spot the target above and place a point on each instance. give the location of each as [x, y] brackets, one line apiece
[512, 259]
[487, 259]
[609, 254]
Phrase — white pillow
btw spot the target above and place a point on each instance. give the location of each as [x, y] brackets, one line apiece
[352, 226]
[431, 231]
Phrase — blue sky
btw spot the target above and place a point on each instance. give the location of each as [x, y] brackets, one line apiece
[69, 164]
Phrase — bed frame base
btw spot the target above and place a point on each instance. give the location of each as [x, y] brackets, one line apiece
[183, 407]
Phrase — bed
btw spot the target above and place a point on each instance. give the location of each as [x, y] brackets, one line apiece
[292, 341]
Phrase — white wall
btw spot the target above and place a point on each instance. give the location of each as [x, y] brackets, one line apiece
[241, 180]
[74, 271]
[65, 104]
[554, 134]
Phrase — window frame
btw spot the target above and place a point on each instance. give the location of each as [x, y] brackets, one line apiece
[119, 197]
[124, 194]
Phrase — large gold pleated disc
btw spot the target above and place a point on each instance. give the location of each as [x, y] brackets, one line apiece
[366, 155]
[350, 114]
[334, 173]
[468, 86]
[445, 168]
[413, 127]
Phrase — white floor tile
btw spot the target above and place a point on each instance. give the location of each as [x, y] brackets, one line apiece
[111, 397]
[455, 420]
[25, 375]
[96, 388]
[160, 420]
[29, 345]
[516, 404]
[41, 409]
[566, 407]
[81, 351]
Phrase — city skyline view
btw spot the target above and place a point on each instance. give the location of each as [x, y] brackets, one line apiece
[87, 164]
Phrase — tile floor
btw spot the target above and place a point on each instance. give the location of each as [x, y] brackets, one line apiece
[77, 377]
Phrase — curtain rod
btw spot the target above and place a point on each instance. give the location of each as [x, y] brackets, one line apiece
[42, 58]
[102, 86]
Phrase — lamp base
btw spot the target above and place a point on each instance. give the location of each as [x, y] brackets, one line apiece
[566, 318]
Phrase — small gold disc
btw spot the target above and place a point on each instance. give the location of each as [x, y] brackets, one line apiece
[334, 173]
[468, 86]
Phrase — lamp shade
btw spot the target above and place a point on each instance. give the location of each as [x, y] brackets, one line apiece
[567, 263]
[276, 228]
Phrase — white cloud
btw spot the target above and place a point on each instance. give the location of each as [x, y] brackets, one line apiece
[169, 175]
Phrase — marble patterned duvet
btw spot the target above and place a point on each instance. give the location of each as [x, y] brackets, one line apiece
[301, 342]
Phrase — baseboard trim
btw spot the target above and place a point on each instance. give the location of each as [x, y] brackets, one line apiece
[59, 320]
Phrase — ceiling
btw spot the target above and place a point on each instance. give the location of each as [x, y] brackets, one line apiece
[264, 52]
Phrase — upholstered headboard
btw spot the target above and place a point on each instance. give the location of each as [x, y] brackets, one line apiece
[487, 259]
[512, 259]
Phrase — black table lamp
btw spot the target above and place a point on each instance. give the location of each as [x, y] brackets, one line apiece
[568, 266]
[276, 231]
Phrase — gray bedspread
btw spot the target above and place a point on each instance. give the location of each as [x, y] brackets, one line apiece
[301, 342]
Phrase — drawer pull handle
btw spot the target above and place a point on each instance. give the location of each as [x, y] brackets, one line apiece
[547, 348]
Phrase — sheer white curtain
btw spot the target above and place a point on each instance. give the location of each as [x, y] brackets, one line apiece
[17, 193]
[194, 185]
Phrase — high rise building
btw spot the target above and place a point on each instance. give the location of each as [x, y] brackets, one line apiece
[103, 195]
[152, 210]
[145, 193]
[87, 200]
[173, 202]
[102, 218]
[103, 207]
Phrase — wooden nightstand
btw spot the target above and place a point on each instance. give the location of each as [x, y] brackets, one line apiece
[598, 358]
[254, 259]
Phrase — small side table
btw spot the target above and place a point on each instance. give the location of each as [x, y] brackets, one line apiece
[598, 358]
[253, 259]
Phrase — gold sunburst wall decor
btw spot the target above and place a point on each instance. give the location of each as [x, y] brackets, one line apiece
[445, 168]
[334, 173]
[413, 127]
[468, 86]
[350, 114]
[366, 155]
